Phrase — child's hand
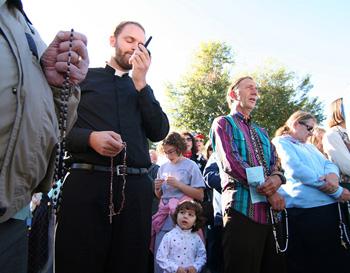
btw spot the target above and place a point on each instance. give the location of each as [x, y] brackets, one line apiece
[172, 181]
[158, 184]
[191, 269]
[181, 270]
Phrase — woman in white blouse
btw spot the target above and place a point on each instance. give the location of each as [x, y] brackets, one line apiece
[336, 141]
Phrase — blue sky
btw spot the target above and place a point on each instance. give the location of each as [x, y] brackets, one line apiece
[309, 36]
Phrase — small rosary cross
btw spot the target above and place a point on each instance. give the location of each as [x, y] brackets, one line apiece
[111, 212]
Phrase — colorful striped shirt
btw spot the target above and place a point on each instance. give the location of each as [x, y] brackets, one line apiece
[237, 151]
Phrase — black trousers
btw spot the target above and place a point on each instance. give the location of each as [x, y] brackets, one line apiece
[86, 241]
[314, 241]
[13, 246]
[250, 247]
[215, 259]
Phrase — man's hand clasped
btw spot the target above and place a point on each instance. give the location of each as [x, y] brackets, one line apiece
[269, 189]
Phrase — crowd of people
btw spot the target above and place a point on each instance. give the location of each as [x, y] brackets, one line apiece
[228, 200]
[288, 192]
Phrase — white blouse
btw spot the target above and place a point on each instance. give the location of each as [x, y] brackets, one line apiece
[181, 248]
[335, 147]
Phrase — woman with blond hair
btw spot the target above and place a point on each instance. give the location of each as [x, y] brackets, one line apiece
[336, 141]
[312, 193]
[317, 138]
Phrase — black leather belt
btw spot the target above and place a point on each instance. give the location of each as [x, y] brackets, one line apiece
[117, 169]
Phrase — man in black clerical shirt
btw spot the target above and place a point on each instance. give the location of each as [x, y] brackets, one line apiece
[104, 221]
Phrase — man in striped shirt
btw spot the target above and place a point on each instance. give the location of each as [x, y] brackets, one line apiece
[249, 244]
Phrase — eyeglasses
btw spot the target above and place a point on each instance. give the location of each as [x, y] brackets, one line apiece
[199, 140]
[188, 139]
[308, 127]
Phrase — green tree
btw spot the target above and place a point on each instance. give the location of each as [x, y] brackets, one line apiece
[281, 93]
[200, 95]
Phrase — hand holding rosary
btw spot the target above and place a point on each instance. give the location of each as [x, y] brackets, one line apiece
[59, 171]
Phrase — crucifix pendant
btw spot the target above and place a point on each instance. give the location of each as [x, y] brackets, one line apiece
[111, 214]
[344, 244]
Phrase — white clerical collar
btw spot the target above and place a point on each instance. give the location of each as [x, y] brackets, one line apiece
[118, 72]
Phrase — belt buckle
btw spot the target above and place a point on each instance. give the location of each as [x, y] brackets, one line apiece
[117, 169]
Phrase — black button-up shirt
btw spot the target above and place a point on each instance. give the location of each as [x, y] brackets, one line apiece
[112, 103]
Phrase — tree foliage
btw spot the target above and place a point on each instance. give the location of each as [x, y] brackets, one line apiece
[200, 96]
[281, 93]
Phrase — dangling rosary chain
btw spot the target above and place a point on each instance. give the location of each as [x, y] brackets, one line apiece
[278, 248]
[342, 228]
[111, 204]
[62, 125]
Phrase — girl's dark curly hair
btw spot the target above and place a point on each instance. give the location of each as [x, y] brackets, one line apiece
[190, 205]
[174, 139]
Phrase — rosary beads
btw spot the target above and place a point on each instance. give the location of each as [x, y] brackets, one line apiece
[62, 126]
[278, 248]
[342, 228]
[111, 204]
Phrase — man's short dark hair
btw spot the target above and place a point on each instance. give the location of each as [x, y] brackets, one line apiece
[121, 26]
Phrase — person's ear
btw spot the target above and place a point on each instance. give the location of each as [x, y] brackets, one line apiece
[112, 41]
[232, 94]
[295, 124]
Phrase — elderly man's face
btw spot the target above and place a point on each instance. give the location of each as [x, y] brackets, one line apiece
[246, 96]
[153, 155]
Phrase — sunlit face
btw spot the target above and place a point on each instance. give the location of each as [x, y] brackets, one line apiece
[199, 143]
[189, 143]
[300, 131]
[127, 42]
[171, 154]
[154, 156]
[186, 219]
[320, 138]
[246, 96]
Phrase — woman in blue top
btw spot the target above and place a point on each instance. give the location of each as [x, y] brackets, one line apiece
[312, 194]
